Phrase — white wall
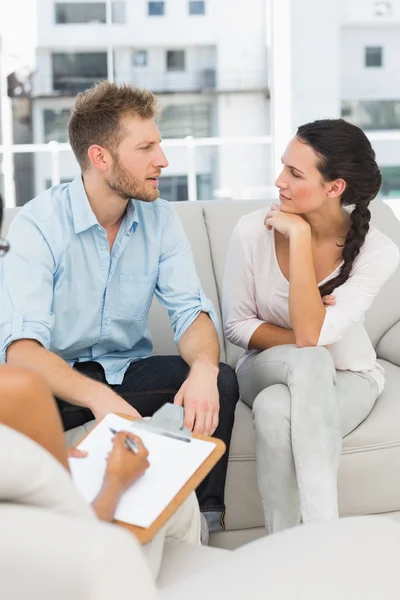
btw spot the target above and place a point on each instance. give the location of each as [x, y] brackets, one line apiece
[363, 11]
[315, 69]
[370, 83]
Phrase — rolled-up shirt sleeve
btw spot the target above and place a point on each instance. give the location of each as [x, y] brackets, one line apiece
[26, 286]
[371, 270]
[178, 287]
[239, 306]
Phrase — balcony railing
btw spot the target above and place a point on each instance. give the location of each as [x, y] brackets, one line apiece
[158, 81]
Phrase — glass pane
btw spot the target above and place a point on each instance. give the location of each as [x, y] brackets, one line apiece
[118, 13]
[75, 72]
[179, 121]
[196, 7]
[140, 58]
[173, 188]
[55, 125]
[373, 56]
[82, 12]
[372, 114]
[175, 60]
[156, 8]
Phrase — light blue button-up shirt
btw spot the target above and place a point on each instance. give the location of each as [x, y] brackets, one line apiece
[61, 285]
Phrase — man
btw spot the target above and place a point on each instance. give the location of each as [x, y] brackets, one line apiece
[76, 290]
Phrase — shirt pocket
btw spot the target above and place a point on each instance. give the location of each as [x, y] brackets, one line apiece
[135, 295]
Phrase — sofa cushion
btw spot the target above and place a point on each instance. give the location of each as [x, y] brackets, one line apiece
[191, 215]
[347, 559]
[220, 219]
[180, 557]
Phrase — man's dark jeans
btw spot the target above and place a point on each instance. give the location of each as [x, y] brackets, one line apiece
[147, 385]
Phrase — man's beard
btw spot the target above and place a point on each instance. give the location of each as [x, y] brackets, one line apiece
[127, 186]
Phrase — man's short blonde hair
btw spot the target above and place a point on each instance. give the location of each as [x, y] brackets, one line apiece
[96, 116]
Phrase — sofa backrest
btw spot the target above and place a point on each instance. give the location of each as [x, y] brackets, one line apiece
[209, 225]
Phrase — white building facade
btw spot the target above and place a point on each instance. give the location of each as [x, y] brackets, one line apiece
[206, 60]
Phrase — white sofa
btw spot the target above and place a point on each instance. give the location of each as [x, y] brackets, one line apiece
[52, 547]
[369, 475]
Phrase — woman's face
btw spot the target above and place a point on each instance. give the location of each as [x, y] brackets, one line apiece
[302, 188]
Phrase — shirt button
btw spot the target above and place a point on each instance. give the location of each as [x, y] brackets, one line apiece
[104, 247]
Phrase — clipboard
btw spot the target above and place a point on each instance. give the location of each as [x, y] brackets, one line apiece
[164, 422]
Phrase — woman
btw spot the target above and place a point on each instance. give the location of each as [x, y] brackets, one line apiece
[27, 407]
[299, 279]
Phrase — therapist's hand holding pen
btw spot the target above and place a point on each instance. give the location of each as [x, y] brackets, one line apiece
[124, 467]
[127, 460]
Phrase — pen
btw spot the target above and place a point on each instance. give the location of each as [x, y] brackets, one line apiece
[130, 444]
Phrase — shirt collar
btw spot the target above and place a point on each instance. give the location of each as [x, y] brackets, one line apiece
[82, 213]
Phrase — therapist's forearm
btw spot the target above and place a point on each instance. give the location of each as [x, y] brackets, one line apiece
[199, 343]
[63, 380]
[106, 502]
[267, 336]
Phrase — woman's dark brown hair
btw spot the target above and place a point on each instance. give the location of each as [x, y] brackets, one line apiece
[344, 152]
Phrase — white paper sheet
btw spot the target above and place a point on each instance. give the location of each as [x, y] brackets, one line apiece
[172, 463]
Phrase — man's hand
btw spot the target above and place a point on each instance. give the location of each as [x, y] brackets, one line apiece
[200, 398]
[107, 401]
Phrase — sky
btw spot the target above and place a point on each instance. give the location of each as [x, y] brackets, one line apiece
[18, 31]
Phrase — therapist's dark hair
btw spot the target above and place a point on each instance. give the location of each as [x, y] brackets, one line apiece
[96, 116]
[344, 152]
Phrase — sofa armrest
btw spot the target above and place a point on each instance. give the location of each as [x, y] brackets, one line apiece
[388, 347]
[48, 555]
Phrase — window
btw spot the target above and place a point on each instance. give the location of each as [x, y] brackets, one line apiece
[372, 114]
[175, 188]
[373, 56]
[140, 58]
[197, 7]
[390, 182]
[82, 12]
[75, 72]
[118, 16]
[156, 8]
[178, 121]
[88, 12]
[175, 60]
[55, 125]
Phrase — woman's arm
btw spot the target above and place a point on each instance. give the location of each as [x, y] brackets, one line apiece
[306, 309]
[313, 322]
[123, 468]
[268, 336]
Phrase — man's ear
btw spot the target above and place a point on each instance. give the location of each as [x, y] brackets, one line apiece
[99, 157]
[336, 188]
